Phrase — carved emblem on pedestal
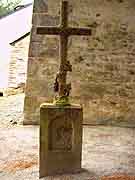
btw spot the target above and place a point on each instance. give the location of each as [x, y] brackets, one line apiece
[61, 135]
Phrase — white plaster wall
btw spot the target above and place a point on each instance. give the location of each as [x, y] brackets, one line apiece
[16, 25]
[4, 64]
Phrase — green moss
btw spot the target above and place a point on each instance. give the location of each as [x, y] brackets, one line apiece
[62, 101]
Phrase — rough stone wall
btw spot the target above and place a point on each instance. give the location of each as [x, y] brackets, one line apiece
[18, 64]
[103, 77]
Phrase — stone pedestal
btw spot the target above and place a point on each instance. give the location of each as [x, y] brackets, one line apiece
[60, 139]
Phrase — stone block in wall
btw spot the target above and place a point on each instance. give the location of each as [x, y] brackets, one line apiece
[45, 20]
[40, 6]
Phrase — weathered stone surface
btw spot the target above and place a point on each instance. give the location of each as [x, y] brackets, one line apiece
[18, 64]
[103, 64]
[32, 103]
[40, 6]
[60, 139]
[45, 20]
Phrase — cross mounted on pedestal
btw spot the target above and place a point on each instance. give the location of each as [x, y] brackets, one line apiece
[64, 32]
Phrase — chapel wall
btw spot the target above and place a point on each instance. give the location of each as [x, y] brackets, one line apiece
[103, 77]
[18, 65]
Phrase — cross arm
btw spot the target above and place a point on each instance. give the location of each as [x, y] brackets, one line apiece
[79, 31]
[48, 30]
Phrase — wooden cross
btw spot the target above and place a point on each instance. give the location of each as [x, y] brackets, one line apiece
[64, 32]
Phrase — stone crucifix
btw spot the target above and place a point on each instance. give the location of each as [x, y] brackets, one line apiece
[64, 32]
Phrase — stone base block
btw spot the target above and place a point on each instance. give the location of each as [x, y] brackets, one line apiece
[30, 123]
[60, 139]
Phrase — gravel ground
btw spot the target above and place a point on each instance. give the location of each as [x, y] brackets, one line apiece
[106, 150]
[11, 109]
